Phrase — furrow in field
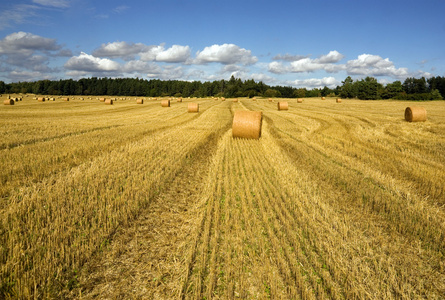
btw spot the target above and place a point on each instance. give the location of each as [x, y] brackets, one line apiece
[31, 163]
[65, 219]
[344, 195]
[377, 191]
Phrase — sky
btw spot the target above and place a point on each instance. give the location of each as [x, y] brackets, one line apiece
[303, 44]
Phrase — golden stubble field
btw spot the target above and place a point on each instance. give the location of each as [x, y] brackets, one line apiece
[128, 201]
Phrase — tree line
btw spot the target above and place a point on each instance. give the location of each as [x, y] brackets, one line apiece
[366, 89]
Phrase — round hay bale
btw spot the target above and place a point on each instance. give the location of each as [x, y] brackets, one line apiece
[165, 103]
[102, 99]
[323, 98]
[109, 101]
[223, 99]
[179, 100]
[270, 100]
[140, 101]
[8, 102]
[283, 105]
[247, 124]
[193, 107]
[65, 99]
[338, 100]
[415, 114]
[235, 100]
[41, 99]
[299, 100]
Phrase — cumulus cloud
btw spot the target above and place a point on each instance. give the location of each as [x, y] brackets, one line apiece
[175, 53]
[331, 57]
[374, 65]
[225, 54]
[120, 49]
[53, 3]
[90, 63]
[300, 64]
[22, 50]
[330, 82]
[26, 43]
[128, 51]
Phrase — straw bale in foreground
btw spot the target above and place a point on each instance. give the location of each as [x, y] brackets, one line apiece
[415, 114]
[193, 107]
[247, 124]
[165, 103]
[283, 105]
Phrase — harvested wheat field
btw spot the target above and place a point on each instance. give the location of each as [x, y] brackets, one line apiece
[136, 202]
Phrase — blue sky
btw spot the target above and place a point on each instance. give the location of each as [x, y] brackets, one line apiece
[295, 43]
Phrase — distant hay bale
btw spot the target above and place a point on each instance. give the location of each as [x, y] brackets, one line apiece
[179, 100]
[165, 103]
[323, 98]
[109, 101]
[338, 100]
[193, 107]
[8, 102]
[102, 99]
[235, 100]
[299, 100]
[415, 114]
[270, 100]
[223, 99]
[283, 105]
[247, 124]
[41, 99]
[65, 99]
[140, 101]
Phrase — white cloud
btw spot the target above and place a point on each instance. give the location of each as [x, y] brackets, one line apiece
[289, 57]
[225, 54]
[175, 53]
[27, 76]
[26, 43]
[278, 68]
[301, 64]
[120, 49]
[331, 57]
[151, 52]
[53, 3]
[90, 63]
[22, 50]
[374, 65]
[330, 82]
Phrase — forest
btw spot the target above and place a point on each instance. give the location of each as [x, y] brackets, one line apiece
[365, 89]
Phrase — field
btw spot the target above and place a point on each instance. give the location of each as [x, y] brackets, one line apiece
[128, 201]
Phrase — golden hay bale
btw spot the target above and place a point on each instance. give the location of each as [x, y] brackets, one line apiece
[109, 101]
[247, 124]
[338, 100]
[270, 100]
[323, 98]
[8, 102]
[102, 99]
[41, 99]
[415, 114]
[283, 105]
[65, 99]
[235, 100]
[165, 103]
[193, 107]
[223, 99]
[140, 101]
[299, 100]
[179, 100]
